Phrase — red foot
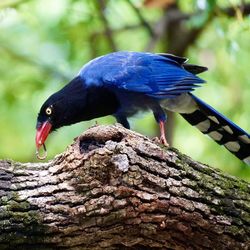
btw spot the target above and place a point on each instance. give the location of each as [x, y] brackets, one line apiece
[163, 139]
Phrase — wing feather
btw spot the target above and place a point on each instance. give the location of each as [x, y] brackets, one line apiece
[159, 76]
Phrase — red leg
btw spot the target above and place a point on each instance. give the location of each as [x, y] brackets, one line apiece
[163, 139]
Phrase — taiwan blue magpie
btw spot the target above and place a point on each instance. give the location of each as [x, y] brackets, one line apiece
[122, 83]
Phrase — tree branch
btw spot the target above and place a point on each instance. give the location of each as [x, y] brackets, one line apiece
[231, 11]
[115, 189]
[141, 18]
[108, 30]
[174, 17]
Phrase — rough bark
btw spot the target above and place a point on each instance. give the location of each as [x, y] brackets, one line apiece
[116, 189]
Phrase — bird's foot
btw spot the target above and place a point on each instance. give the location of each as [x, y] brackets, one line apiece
[163, 140]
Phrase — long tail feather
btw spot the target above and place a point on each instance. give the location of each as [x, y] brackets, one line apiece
[220, 129]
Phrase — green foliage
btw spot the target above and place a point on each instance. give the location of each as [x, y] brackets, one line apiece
[43, 44]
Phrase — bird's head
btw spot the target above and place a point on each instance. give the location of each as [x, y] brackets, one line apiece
[48, 119]
[64, 107]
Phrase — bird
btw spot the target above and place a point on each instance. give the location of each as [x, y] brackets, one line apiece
[125, 82]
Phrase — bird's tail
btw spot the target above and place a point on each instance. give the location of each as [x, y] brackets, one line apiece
[220, 129]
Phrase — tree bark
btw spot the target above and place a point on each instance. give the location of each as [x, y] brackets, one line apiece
[116, 189]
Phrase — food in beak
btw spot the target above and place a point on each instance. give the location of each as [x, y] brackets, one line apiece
[42, 133]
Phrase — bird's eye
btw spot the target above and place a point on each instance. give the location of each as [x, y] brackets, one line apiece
[48, 111]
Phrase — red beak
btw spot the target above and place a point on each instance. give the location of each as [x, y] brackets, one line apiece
[42, 133]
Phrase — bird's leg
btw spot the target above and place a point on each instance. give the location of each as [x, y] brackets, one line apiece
[122, 120]
[163, 139]
[161, 118]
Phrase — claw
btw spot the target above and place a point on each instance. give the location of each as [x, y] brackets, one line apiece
[163, 140]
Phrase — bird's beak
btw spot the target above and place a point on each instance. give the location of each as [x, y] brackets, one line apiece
[42, 133]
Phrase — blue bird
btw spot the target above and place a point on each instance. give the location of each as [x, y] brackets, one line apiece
[122, 83]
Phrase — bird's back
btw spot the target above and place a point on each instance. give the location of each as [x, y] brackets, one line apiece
[156, 75]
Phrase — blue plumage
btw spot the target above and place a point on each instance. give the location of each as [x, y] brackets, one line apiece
[122, 83]
[154, 75]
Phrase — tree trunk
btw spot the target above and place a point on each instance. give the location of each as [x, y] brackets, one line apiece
[116, 189]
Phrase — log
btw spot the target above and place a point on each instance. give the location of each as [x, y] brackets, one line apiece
[116, 189]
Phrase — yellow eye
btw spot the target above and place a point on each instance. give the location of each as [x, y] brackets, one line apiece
[48, 111]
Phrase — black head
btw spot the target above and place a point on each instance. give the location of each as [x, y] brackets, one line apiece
[64, 107]
[74, 103]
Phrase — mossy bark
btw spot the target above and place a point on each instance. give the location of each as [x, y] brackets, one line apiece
[115, 189]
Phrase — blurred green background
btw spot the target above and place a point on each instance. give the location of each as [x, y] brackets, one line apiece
[44, 43]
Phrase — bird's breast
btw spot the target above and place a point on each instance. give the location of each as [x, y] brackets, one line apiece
[130, 102]
[100, 102]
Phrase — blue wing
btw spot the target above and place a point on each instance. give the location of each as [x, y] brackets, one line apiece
[157, 75]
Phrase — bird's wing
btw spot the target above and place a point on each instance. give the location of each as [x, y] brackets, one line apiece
[156, 75]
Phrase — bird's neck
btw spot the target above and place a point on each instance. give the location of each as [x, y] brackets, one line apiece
[87, 102]
[100, 102]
